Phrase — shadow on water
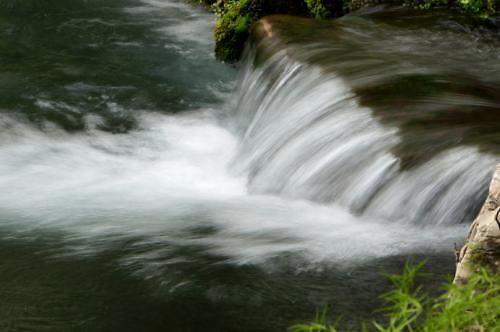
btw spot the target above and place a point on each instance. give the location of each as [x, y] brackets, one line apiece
[50, 292]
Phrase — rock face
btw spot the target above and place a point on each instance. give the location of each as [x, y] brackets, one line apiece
[483, 242]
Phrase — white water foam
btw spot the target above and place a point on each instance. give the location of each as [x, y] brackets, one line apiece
[305, 135]
[185, 23]
[307, 172]
[157, 184]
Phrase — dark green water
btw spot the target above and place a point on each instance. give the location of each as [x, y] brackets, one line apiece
[63, 62]
[124, 205]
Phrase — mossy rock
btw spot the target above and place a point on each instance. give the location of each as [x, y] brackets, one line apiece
[236, 18]
[231, 29]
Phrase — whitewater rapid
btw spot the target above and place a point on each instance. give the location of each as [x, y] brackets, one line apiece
[305, 135]
[289, 165]
[158, 184]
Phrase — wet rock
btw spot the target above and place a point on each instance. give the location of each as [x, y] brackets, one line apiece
[482, 247]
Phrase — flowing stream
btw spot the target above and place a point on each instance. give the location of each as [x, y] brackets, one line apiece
[147, 187]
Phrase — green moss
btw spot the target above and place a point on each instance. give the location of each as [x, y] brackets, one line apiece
[236, 17]
[231, 29]
[481, 8]
[317, 9]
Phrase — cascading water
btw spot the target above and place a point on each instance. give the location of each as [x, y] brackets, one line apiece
[305, 135]
[120, 212]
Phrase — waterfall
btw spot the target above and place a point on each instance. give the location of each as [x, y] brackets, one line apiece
[144, 185]
[306, 135]
[294, 161]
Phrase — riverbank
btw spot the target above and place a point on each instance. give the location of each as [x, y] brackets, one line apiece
[236, 17]
[470, 303]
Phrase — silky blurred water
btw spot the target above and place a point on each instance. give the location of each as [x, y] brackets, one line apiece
[145, 186]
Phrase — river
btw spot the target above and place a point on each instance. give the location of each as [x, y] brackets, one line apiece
[145, 186]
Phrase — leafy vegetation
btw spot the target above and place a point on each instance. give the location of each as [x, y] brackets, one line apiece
[472, 307]
[317, 9]
[231, 29]
[482, 8]
[479, 7]
[235, 17]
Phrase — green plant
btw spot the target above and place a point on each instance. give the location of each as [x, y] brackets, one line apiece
[405, 302]
[235, 18]
[478, 7]
[317, 9]
[319, 324]
[483, 8]
[474, 306]
[425, 4]
[231, 28]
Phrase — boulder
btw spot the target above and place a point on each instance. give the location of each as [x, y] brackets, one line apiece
[482, 247]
